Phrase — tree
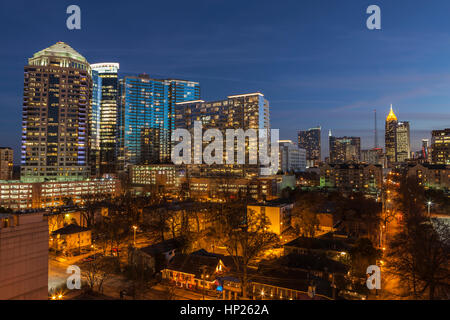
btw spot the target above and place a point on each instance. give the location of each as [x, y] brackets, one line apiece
[304, 214]
[245, 237]
[363, 254]
[419, 254]
[98, 271]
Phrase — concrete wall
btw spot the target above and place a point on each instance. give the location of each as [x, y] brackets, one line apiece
[24, 257]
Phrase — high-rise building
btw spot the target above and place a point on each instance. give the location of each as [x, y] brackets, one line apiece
[440, 146]
[390, 137]
[292, 158]
[55, 126]
[397, 139]
[107, 87]
[6, 163]
[245, 111]
[345, 149]
[146, 118]
[94, 124]
[310, 141]
[403, 145]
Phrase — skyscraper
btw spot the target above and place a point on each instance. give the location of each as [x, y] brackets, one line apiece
[108, 92]
[94, 124]
[403, 145]
[146, 118]
[244, 111]
[440, 146]
[390, 137]
[310, 141]
[56, 104]
[397, 139]
[345, 149]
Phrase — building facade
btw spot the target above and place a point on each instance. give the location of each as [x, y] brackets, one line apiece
[245, 111]
[107, 98]
[17, 195]
[56, 104]
[310, 140]
[366, 178]
[292, 158]
[345, 149]
[397, 139]
[432, 176]
[147, 117]
[440, 146]
[403, 144]
[23, 257]
[6, 163]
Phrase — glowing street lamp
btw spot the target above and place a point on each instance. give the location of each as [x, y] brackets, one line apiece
[134, 241]
[429, 203]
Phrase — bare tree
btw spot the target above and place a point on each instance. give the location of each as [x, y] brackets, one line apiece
[245, 237]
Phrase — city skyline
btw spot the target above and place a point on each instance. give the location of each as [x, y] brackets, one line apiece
[341, 98]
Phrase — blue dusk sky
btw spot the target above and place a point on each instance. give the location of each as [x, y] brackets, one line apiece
[315, 60]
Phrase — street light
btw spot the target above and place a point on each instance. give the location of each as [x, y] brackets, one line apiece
[429, 203]
[134, 241]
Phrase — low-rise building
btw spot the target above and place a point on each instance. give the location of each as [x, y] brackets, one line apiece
[278, 213]
[18, 195]
[433, 176]
[23, 256]
[71, 237]
[154, 258]
[329, 247]
[366, 178]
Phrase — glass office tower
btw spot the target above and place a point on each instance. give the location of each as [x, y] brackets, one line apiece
[146, 117]
[94, 124]
[108, 130]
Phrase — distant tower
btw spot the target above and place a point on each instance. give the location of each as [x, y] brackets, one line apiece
[390, 137]
[375, 129]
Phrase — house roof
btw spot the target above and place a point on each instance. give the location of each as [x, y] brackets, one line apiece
[161, 247]
[329, 244]
[70, 229]
[195, 262]
[311, 262]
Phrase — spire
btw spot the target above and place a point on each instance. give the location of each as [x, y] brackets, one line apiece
[391, 116]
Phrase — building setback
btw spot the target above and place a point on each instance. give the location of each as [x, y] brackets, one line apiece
[56, 104]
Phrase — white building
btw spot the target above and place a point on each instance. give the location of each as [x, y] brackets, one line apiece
[291, 157]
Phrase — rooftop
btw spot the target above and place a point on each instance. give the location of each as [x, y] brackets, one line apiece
[60, 49]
